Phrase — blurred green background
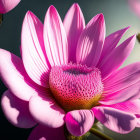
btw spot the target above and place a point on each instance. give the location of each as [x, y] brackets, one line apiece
[117, 15]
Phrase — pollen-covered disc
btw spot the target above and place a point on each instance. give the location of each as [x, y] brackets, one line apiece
[75, 86]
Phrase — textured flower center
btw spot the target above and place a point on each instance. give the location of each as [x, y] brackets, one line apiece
[75, 86]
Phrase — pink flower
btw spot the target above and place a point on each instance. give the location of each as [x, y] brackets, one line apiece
[69, 74]
[7, 5]
[135, 6]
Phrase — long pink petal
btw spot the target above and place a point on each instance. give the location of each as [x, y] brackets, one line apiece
[33, 49]
[117, 57]
[46, 133]
[116, 120]
[122, 78]
[46, 111]
[127, 94]
[111, 42]
[15, 77]
[7, 5]
[16, 111]
[55, 38]
[91, 41]
[132, 107]
[135, 6]
[78, 122]
[74, 24]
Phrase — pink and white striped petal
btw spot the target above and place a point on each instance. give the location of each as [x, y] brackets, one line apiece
[8, 5]
[111, 42]
[74, 24]
[15, 77]
[79, 122]
[16, 111]
[46, 133]
[42, 107]
[127, 94]
[91, 41]
[116, 58]
[33, 50]
[55, 38]
[122, 78]
[116, 120]
[132, 107]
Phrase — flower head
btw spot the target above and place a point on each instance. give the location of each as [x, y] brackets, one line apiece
[7, 5]
[69, 75]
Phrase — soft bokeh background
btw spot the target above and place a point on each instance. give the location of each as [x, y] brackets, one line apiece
[117, 15]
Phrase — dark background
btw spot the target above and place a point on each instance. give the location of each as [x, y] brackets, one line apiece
[117, 15]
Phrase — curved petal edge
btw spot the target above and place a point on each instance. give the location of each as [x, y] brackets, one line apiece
[78, 122]
[17, 111]
[116, 120]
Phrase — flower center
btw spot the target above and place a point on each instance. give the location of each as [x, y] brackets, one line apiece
[75, 86]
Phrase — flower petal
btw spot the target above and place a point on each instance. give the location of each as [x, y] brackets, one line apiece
[55, 38]
[7, 5]
[129, 106]
[15, 77]
[122, 78]
[138, 120]
[16, 111]
[78, 122]
[33, 49]
[46, 133]
[135, 6]
[127, 94]
[116, 120]
[117, 57]
[110, 42]
[91, 41]
[42, 108]
[74, 24]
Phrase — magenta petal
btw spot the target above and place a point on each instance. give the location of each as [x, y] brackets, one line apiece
[116, 120]
[135, 6]
[111, 42]
[15, 77]
[129, 106]
[46, 133]
[138, 120]
[78, 122]
[122, 78]
[33, 49]
[127, 94]
[46, 111]
[7, 5]
[55, 38]
[74, 24]
[16, 111]
[117, 57]
[91, 41]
